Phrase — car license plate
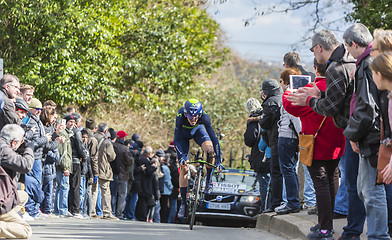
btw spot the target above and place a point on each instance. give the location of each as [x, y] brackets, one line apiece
[218, 206]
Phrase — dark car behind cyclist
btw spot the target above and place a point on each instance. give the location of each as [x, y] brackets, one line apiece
[193, 123]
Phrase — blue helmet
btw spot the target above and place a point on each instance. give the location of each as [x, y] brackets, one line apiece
[193, 108]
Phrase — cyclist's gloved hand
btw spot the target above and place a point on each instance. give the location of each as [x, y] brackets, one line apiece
[182, 161]
[220, 167]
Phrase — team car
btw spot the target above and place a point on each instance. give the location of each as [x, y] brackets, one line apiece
[235, 195]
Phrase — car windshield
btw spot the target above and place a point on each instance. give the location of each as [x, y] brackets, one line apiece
[249, 180]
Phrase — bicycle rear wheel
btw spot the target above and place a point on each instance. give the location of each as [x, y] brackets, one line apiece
[195, 203]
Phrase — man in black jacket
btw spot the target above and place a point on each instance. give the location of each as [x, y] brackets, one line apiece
[363, 131]
[9, 87]
[271, 92]
[79, 154]
[252, 137]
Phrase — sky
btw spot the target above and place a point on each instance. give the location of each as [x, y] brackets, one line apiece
[269, 37]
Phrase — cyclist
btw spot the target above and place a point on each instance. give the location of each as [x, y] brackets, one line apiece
[192, 122]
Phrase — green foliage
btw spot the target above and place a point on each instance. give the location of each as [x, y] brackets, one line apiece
[372, 13]
[90, 51]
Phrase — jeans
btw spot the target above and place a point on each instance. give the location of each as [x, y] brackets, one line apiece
[264, 180]
[32, 206]
[37, 170]
[157, 210]
[46, 205]
[309, 192]
[88, 203]
[131, 205]
[113, 193]
[61, 195]
[356, 210]
[98, 206]
[287, 148]
[83, 192]
[173, 210]
[341, 199]
[96, 203]
[374, 199]
[121, 196]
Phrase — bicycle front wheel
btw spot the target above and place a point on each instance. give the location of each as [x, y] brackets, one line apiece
[195, 203]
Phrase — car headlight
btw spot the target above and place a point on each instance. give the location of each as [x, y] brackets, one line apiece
[249, 199]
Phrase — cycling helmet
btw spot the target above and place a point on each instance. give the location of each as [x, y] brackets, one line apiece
[193, 108]
[21, 104]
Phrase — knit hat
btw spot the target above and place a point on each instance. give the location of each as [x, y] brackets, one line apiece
[77, 116]
[121, 134]
[252, 105]
[112, 133]
[69, 117]
[160, 153]
[21, 104]
[269, 85]
[135, 137]
[171, 144]
[35, 103]
[90, 123]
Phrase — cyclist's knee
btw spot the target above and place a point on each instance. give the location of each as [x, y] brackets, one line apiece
[207, 146]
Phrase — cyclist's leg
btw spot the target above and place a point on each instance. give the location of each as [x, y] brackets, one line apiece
[203, 139]
[183, 178]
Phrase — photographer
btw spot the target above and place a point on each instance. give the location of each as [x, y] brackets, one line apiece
[12, 163]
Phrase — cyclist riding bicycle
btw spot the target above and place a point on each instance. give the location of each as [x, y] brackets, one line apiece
[192, 122]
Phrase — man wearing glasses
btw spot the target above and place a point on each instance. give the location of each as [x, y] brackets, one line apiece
[35, 133]
[9, 86]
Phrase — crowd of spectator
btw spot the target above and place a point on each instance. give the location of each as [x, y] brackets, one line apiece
[347, 107]
[53, 167]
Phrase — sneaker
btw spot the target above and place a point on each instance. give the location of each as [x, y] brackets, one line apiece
[286, 210]
[66, 215]
[317, 227]
[181, 212]
[40, 216]
[85, 216]
[319, 235]
[78, 216]
[26, 216]
[110, 217]
[349, 237]
[281, 206]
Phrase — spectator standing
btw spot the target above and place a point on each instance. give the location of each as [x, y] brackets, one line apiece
[174, 173]
[79, 156]
[252, 137]
[21, 108]
[92, 145]
[63, 170]
[363, 131]
[9, 86]
[106, 155]
[271, 93]
[167, 185]
[335, 102]
[51, 156]
[86, 179]
[328, 148]
[146, 175]
[125, 160]
[35, 133]
[289, 127]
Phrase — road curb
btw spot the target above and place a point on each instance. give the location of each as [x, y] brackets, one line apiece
[291, 226]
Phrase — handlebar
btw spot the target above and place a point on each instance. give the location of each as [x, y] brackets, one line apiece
[203, 162]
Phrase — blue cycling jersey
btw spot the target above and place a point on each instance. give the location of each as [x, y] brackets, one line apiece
[202, 131]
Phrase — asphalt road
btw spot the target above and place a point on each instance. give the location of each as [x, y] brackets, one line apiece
[72, 229]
